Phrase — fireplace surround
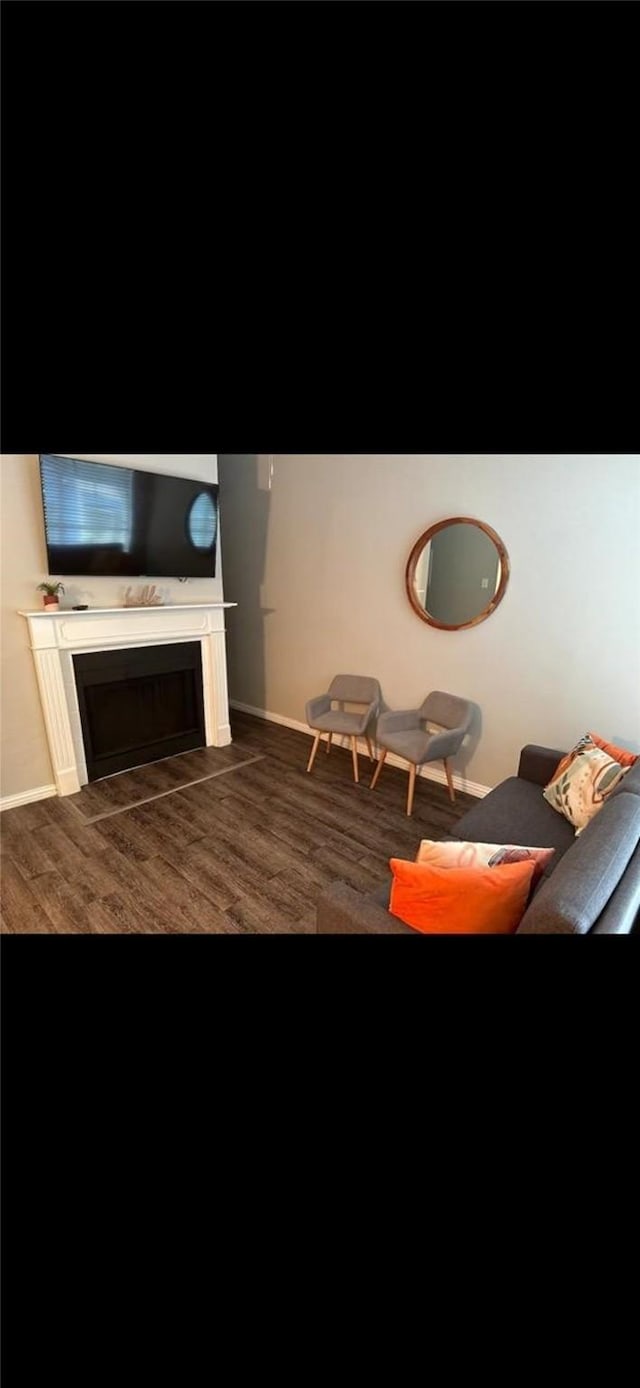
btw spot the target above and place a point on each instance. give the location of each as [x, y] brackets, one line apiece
[56, 638]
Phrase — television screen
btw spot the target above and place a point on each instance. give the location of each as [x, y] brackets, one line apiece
[102, 519]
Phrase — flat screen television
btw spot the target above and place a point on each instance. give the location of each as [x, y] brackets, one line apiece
[103, 519]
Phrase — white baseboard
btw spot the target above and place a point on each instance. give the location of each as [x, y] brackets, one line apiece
[27, 797]
[430, 772]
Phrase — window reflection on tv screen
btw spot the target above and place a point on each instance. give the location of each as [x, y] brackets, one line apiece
[103, 519]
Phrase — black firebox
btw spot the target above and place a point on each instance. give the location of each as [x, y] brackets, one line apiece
[139, 705]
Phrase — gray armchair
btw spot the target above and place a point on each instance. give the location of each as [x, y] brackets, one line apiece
[405, 734]
[324, 718]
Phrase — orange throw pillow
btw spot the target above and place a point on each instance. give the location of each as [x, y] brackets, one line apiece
[460, 901]
[618, 753]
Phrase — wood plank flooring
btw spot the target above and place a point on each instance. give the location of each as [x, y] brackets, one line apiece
[232, 840]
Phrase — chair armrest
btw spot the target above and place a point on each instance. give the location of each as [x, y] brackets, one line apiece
[343, 911]
[444, 744]
[314, 707]
[538, 764]
[370, 714]
[400, 722]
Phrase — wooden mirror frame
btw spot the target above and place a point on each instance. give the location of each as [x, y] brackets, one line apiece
[413, 564]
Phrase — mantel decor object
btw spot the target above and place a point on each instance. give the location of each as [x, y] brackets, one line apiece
[144, 597]
[51, 593]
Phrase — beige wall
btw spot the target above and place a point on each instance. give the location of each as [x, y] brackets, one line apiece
[24, 757]
[317, 566]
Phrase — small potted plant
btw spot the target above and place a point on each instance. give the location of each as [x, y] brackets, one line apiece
[51, 592]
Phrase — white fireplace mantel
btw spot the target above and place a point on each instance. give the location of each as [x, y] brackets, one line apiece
[57, 636]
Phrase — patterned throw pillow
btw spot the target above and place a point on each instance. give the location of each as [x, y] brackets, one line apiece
[582, 782]
[448, 854]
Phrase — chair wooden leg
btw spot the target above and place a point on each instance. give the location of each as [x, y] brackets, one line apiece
[452, 794]
[368, 742]
[329, 743]
[314, 750]
[354, 753]
[378, 769]
[412, 786]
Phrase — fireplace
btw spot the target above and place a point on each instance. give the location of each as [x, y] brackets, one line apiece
[139, 705]
[172, 700]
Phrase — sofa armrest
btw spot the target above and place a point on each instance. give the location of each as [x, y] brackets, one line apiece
[343, 911]
[621, 915]
[538, 764]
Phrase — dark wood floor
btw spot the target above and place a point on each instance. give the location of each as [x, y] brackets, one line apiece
[223, 840]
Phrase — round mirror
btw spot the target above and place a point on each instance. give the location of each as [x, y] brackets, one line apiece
[457, 573]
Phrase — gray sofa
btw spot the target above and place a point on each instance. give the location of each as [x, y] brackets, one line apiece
[592, 885]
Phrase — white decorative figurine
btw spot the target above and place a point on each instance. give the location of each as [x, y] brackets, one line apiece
[145, 597]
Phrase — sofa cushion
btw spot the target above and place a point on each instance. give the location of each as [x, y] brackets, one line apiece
[571, 900]
[460, 901]
[516, 811]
